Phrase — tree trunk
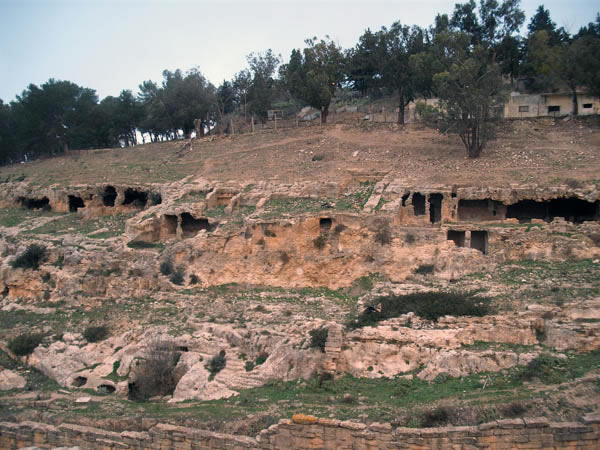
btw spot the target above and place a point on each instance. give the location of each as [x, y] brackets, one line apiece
[474, 149]
[575, 106]
[324, 113]
[401, 106]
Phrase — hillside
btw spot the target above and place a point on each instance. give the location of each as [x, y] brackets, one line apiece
[362, 273]
[528, 151]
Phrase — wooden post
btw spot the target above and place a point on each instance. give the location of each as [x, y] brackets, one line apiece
[231, 125]
[252, 123]
[384, 117]
[275, 120]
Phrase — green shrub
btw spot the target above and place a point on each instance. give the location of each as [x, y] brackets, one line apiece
[438, 417]
[547, 368]
[383, 235]
[96, 334]
[194, 279]
[424, 269]
[156, 373]
[261, 358]
[30, 258]
[320, 241]
[318, 338]
[339, 228]
[249, 366]
[177, 277]
[216, 364]
[141, 244]
[25, 344]
[166, 267]
[427, 305]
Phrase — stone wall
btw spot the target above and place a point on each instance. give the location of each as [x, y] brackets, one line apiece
[311, 432]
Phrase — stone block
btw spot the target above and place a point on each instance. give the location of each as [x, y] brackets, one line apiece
[535, 422]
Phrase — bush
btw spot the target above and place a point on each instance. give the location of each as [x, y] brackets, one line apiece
[166, 267]
[194, 279]
[95, 334]
[30, 258]
[216, 364]
[435, 418]
[547, 368]
[177, 277]
[155, 371]
[339, 228]
[320, 241]
[141, 244]
[424, 269]
[261, 358]
[427, 305]
[25, 344]
[318, 338]
[383, 234]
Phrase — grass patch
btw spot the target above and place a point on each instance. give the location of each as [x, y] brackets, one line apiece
[427, 305]
[30, 258]
[96, 333]
[25, 344]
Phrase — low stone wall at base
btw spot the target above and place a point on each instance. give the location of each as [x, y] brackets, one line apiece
[304, 432]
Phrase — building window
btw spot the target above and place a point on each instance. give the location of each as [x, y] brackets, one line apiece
[552, 109]
[524, 108]
[587, 105]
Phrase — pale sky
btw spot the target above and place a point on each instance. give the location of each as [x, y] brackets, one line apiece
[110, 45]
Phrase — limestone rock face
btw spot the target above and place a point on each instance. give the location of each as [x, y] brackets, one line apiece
[460, 363]
[10, 380]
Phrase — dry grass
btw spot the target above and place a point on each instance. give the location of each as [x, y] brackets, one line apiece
[543, 151]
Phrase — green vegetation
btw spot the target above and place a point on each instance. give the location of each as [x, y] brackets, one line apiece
[166, 267]
[25, 344]
[216, 364]
[30, 258]
[428, 305]
[96, 333]
[136, 245]
[155, 373]
[318, 338]
[177, 277]
[11, 217]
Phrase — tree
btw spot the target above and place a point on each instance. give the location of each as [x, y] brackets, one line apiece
[469, 94]
[262, 88]
[187, 98]
[154, 116]
[55, 117]
[7, 127]
[541, 21]
[314, 73]
[241, 86]
[364, 62]
[398, 74]
[226, 98]
[493, 26]
[382, 60]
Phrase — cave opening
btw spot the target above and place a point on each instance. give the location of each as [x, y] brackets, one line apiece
[106, 389]
[169, 225]
[75, 203]
[36, 203]
[79, 381]
[476, 210]
[418, 202]
[404, 198]
[571, 209]
[325, 224]
[457, 236]
[435, 207]
[135, 198]
[479, 241]
[109, 196]
[190, 226]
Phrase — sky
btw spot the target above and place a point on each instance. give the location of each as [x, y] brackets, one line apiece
[111, 45]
